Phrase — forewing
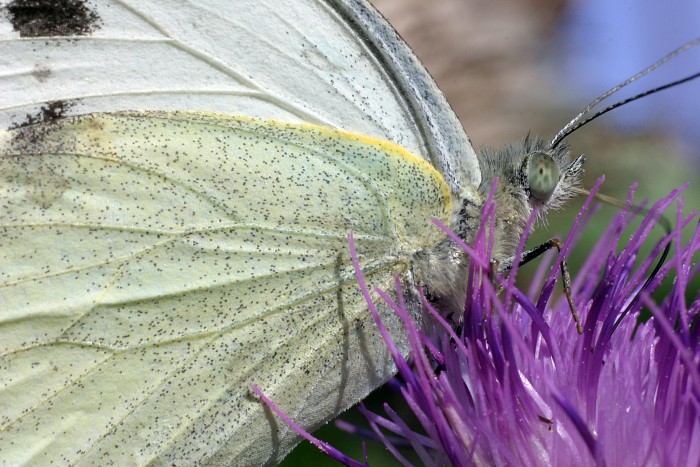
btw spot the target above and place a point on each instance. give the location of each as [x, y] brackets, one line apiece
[157, 264]
[331, 62]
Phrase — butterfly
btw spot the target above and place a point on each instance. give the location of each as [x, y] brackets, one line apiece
[177, 184]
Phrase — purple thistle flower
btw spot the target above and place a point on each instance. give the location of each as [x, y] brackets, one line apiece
[518, 385]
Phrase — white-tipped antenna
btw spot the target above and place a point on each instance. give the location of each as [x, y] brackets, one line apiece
[578, 121]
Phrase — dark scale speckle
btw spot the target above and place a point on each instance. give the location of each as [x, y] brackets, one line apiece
[51, 112]
[45, 18]
[41, 73]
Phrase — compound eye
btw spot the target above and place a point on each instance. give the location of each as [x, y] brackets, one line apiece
[542, 176]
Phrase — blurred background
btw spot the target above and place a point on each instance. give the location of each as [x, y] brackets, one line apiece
[512, 66]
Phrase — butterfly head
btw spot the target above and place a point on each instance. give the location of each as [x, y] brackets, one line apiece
[531, 176]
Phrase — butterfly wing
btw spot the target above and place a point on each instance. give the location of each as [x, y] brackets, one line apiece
[89, 320]
[335, 63]
[157, 264]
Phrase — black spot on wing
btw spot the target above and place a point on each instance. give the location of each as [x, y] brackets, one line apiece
[49, 113]
[42, 18]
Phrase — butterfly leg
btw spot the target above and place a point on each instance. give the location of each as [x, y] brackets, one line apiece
[537, 251]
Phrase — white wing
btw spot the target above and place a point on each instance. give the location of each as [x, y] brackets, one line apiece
[85, 299]
[336, 63]
[155, 265]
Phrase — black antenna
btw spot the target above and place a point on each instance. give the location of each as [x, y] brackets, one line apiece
[621, 103]
[579, 120]
[583, 118]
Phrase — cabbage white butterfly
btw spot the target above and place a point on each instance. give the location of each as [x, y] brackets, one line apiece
[177, 184]
[152, 271]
